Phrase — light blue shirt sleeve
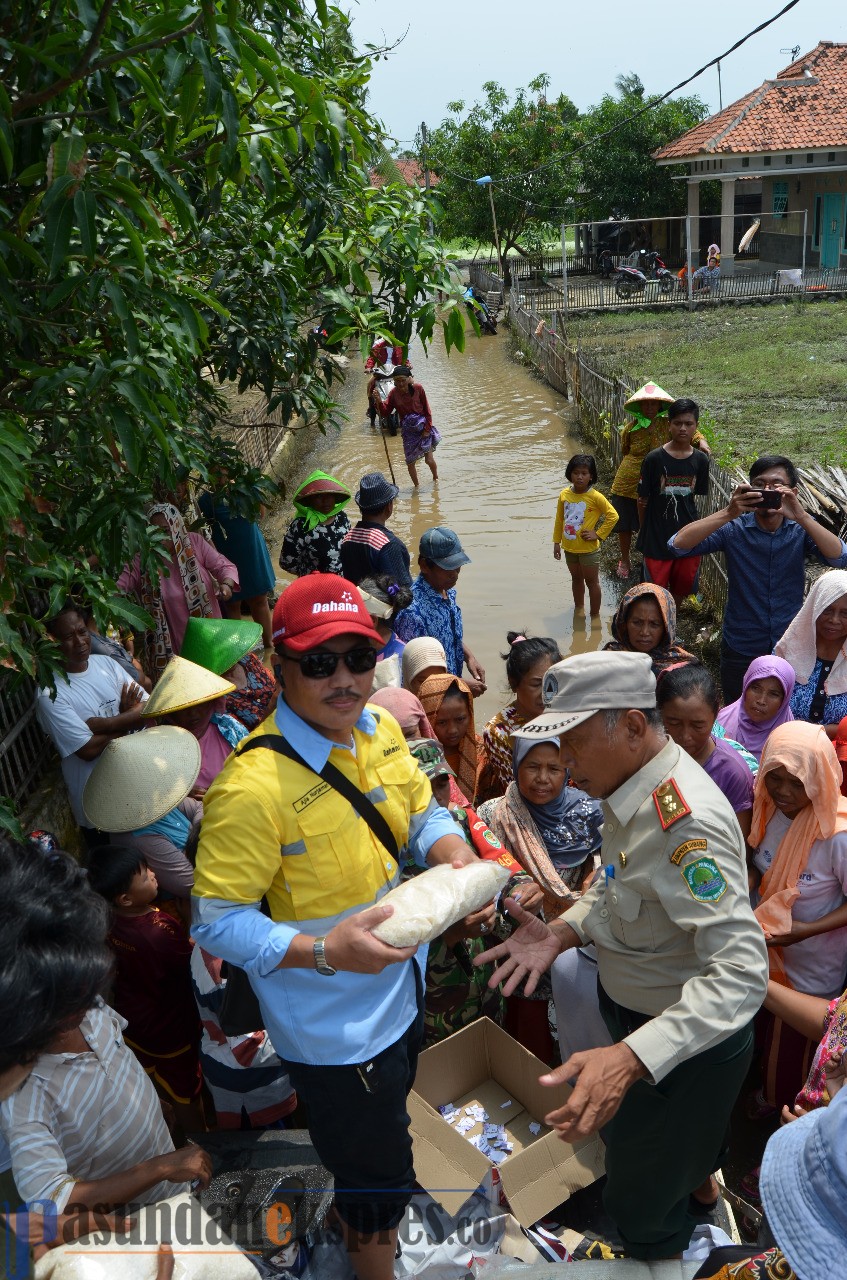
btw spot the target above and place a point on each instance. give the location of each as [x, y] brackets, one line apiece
[240, 933]
[428, 827]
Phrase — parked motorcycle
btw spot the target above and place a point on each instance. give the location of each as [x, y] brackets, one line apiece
[477, 306]
[382, 377]
[633, 278]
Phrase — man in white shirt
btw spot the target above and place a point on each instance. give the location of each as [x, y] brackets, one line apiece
[97, 702]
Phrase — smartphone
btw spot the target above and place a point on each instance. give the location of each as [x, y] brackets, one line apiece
[769, 499]
[368, 1073]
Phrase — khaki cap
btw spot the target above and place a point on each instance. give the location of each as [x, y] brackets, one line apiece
[141, 777]
[184, 684]
[575, 689]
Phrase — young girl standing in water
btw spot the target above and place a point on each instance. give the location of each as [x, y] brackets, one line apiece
[584, 517]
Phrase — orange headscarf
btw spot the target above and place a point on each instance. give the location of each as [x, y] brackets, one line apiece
[431, 694]
[807, 753]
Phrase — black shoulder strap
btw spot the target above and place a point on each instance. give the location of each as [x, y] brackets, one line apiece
[336, 779]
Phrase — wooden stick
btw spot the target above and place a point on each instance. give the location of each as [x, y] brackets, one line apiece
[388, 456]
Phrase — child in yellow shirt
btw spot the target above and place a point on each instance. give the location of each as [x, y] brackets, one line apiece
[583, 518]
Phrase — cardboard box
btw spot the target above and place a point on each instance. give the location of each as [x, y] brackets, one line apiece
[482, 1064]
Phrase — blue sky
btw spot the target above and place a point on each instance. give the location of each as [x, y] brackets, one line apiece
[453, 46]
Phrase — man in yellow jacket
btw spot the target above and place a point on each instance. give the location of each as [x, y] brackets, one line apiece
[343, 1010]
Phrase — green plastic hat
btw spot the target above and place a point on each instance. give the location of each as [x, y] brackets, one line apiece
[218, 643]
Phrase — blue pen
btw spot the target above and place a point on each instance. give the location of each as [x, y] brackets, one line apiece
[610, 873]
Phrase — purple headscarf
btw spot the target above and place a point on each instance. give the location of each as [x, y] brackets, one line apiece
[750, 733]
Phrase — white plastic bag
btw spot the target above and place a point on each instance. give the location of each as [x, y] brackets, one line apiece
[442, 896]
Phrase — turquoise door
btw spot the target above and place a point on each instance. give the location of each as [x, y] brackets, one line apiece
[832, 229]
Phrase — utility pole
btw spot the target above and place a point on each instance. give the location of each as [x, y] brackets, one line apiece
[425, 158]
[720, 87]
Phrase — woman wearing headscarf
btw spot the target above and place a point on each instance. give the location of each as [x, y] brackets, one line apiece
[422, 657]
[313, 539]
[815, 644]
[448, 704]
[198, 578]
[799, 834]
[645, 622]
[764, 705]
[553, 831]
[406, 710]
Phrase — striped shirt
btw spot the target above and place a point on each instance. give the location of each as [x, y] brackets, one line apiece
[85, 1116]
[369, 548]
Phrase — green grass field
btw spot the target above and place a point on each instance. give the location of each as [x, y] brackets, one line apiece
[769, 379]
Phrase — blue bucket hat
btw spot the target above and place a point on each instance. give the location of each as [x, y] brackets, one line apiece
[442, 546]
[803, 1185]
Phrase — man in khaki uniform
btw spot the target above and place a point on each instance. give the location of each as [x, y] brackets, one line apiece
[682, 961]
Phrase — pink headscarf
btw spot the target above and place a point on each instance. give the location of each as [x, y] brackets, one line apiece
[735, 719]
[406, 710]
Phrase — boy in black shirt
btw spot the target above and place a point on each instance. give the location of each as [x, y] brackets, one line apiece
[670, 477]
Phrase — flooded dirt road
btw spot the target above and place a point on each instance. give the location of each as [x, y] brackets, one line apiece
[506, 442]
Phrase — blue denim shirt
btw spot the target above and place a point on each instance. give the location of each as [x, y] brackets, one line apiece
[766, 574]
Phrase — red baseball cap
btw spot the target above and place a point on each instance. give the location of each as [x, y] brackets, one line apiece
[319, 607]
[840, 742]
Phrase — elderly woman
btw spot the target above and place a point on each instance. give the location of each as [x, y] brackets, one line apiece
[764, 705]
[526, 661]
[226, 647]
[814, 644]
[191, 585]
[195, 699]
[645, 622]
[553, 830]
[313, 539]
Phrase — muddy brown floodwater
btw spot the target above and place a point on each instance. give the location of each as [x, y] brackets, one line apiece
[506, 442]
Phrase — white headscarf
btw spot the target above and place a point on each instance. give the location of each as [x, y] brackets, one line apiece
[799, 644]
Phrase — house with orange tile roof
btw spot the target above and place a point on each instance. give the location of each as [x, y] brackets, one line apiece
[791, 133]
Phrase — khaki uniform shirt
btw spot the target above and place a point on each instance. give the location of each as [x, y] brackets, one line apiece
[670, 913]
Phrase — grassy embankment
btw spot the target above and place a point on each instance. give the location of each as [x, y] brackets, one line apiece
[769, 379]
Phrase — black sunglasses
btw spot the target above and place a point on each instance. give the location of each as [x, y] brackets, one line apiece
[322, 663]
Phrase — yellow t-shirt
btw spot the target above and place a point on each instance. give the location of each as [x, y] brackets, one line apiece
[578, 511]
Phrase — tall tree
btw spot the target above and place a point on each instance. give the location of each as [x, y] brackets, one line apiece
[184, 195]
[516, 144]
[619, 176]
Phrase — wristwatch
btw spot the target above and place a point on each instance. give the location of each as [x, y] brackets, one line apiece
[320, 959]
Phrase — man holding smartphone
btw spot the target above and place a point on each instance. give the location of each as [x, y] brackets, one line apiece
[343, 1010]
[766, 538]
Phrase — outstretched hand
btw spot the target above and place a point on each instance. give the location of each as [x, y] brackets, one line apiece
[526, 955]
[602, 1077]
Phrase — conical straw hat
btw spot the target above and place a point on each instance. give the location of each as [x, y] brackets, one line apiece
[184, 684]
[141, 777]
[650, 391]
[218, 643]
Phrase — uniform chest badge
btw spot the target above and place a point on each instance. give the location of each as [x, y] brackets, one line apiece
[669, 803]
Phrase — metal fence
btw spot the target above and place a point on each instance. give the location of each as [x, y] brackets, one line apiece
[599, 396]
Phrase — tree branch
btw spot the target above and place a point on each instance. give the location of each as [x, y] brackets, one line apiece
[28, 100]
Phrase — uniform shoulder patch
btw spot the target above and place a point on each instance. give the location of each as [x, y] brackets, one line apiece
[669, 803]
[688, 846]
[704, 879]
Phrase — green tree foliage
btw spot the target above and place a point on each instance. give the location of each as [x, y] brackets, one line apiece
[184, 196]
[619, 175]
[516, 143]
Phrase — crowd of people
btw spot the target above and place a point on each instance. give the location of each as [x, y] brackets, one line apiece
[673, 931]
